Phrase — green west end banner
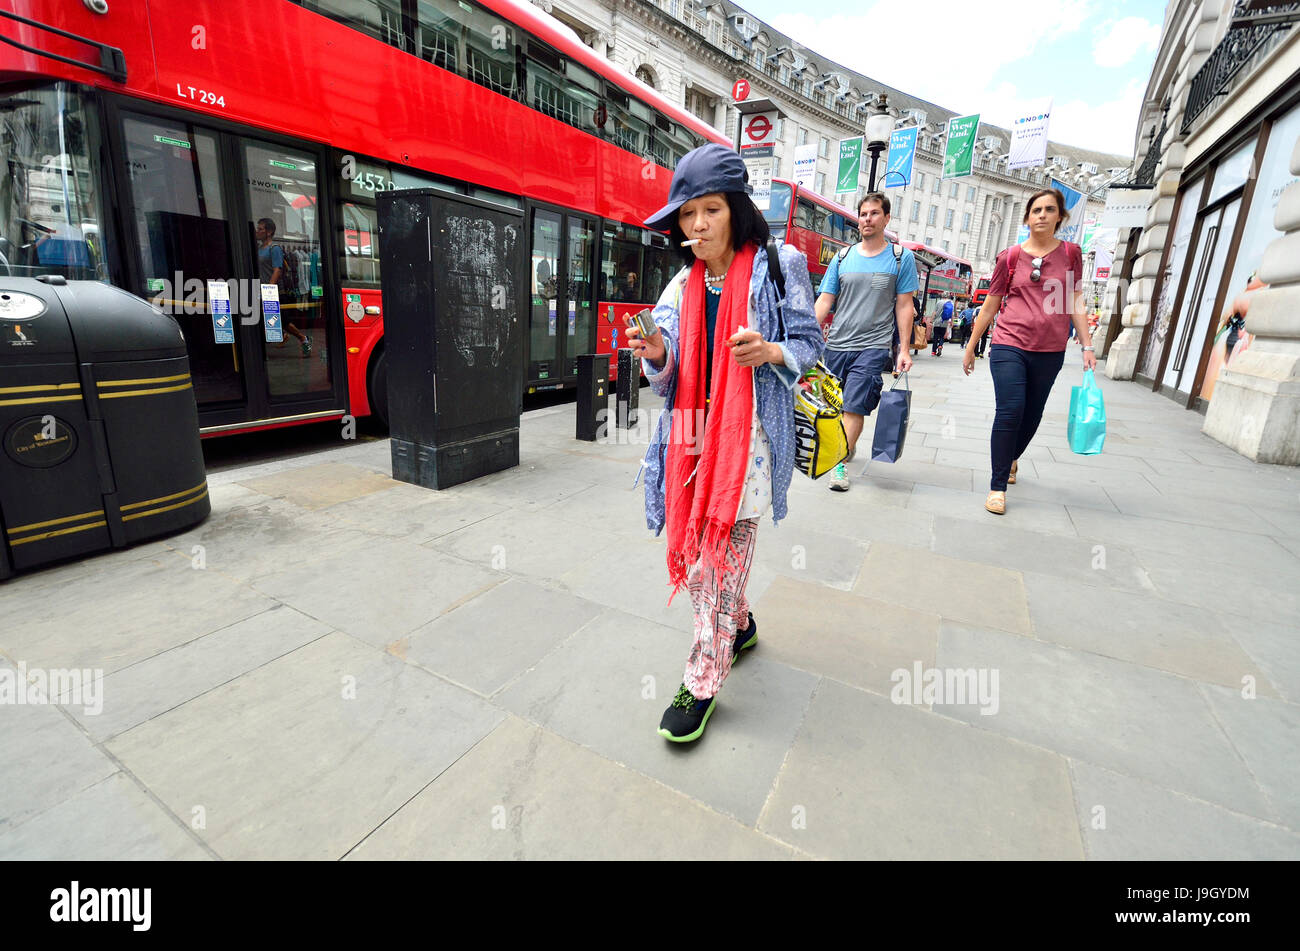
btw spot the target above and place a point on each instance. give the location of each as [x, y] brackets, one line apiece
[850, 166]
[959, 152]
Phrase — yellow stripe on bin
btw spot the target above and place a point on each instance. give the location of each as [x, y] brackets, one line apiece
[97, 513]
[165, 498]
[42, 399]
[37, 389]
[165, 389]
[156, 379]
[168, 508]
[14, 543]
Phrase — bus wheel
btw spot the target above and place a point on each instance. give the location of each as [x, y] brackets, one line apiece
[378, 388]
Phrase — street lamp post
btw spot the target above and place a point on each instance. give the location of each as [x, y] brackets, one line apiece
[879, 126]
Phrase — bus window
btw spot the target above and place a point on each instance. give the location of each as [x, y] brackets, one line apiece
[629, 124]
[658, 268]
[562, 89]
[837, 227]
[620, 263]
[381, 19]
[778, 211]
[50, 210]
[804, 215]
[489, 45]
[437, 37]
[673, 141]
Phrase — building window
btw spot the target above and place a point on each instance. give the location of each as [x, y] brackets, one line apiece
[938, 187]
[961, 249]
[920, 179]
[916, 211]
[780, 128]
[933, 217]
[643, 73]
[825, 147]
[997, 205]
[945, 245]
[929, 240]
[802, 137]
[965, 221]
[947, 218]
[820, 185]
[970, 192]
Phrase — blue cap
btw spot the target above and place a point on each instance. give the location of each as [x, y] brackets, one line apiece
[704, 171]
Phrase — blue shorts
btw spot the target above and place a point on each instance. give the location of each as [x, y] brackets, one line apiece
[860, 374]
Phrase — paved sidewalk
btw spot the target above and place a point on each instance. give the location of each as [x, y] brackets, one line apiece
[336, 665]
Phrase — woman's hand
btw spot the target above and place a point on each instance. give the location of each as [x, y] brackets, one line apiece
[651, 349]
[968, 358]
[1089, 360]
[751, 350]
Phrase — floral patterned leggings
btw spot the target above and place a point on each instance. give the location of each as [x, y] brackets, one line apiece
[718, 599]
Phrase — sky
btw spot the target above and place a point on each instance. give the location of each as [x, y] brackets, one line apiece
[1091, 57]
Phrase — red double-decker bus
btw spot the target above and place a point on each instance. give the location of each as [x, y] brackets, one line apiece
[165, 146]
[817, 226]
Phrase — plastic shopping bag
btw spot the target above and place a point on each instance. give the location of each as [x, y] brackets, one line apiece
[1087, 429]
[891, 423]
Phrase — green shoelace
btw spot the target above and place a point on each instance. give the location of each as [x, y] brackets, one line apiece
[684, 698]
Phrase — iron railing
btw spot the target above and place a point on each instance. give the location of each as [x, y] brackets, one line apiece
[1230, 57]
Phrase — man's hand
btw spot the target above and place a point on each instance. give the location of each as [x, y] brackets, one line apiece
[1089, 360]
[904, 361]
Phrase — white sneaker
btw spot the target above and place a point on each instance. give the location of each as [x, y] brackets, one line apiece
[839, 481]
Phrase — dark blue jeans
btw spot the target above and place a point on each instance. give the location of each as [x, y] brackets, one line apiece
[1022, 380]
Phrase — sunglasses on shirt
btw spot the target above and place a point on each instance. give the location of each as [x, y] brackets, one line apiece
[1037, 273]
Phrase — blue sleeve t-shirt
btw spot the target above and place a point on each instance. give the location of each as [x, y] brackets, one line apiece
[865, 289]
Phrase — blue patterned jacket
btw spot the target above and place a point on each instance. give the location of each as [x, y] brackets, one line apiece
[773, 385]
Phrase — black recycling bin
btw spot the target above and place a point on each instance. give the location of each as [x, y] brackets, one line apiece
[452, 271]
[593, 396]
[99, 425]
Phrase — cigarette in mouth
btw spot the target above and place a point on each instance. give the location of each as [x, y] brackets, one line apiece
[687, 244]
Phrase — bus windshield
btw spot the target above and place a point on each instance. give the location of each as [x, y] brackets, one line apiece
[778, 212]
[50, 210]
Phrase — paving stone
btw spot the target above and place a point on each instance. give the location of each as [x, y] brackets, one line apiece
[915, 579]
[1143, 822]
[153, 686]
[1225, 587]
[906, 470]
[1222, 514]
[1033, 516]
[1180, 538]
[488, 641]
[1266, 734]
[104, 623]
[111, 821]
[382, 598]
[1076, 559]
[47, 759]
[1140, 629]
[854, 639]
[320, 486]
[287, 766]
[1134, 720]
[524, 793]
[617, 660]
[414, 512]
[979, 461]
[870, 779]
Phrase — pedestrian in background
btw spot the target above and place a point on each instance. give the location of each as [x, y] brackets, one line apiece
[942, 321]
[868, 289]
[722, 355]
[1040, 281]
[967, 322]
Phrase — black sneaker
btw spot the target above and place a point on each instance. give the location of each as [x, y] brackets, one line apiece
[684, 720]
[745, 639]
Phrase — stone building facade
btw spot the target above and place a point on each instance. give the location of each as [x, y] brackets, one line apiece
[692, 51]
[1211, 310]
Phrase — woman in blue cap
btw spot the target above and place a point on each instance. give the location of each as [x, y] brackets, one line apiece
[726, 364]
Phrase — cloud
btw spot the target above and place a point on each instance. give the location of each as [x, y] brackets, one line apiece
[1118, 42]
[967, 52]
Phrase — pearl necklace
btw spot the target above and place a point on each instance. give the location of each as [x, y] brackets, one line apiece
[714, 284]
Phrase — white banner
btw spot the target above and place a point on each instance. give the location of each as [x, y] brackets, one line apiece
[1126, 207]
[1029, 136]
[805, 164]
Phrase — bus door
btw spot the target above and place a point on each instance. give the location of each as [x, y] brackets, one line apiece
[222, 222]
[562, 292]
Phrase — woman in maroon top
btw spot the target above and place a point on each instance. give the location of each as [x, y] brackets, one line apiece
[1039, 281]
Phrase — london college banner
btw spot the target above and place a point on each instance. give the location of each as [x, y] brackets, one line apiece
[902, 153]
[959, 151]
[805, 164]
[1029, 136]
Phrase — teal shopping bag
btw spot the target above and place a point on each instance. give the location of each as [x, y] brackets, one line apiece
[1087, 428]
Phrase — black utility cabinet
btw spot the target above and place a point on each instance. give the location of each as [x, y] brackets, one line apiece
[453, 284]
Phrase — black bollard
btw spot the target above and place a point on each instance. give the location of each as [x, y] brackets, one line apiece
[593, 396]
[629, 388]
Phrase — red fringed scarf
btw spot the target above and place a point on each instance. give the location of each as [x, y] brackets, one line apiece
[703, 490]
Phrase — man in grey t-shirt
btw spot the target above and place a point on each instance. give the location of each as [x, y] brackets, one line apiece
[869, 290]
